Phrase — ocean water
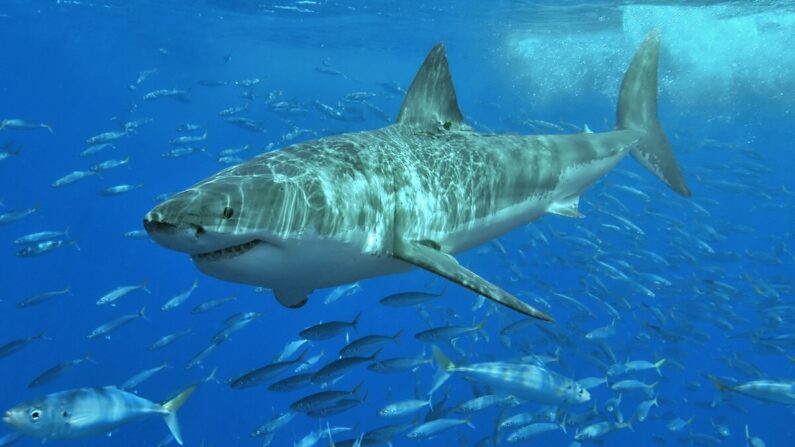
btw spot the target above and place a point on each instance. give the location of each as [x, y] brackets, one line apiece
[705, 283]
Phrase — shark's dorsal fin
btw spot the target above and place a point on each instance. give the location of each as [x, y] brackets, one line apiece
[431, 97]
[426, 256]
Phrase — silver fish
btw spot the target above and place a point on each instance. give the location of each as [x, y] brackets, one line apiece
[106, 137]
[17, 214]
[54, 372]
[120, 292]
[324, 331]
[104, 329]
[140, 377]
[15, 345]
[43, 247]
[166, 340]
[19, 124]
[85, 412]
[180, 298]
[119, 189]
[42, 297]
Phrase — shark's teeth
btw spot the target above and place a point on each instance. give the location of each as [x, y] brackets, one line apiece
[227, 252]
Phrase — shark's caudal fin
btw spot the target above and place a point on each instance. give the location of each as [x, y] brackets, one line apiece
[431, 99]
[637, 110]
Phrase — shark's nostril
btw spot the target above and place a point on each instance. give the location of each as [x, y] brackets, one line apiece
[199, 230]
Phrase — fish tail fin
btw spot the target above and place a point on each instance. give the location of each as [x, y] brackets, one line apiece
[143, 286]
[301, 357]
[171, 408]
[480, 328]
[658, 365]
[357, 388]
[563, 423]
[66, 231]
[49, 128]
[142, 313]
[355, 322]
[442, 359]
[375, 355]
[720, 385]
[468, 422]
[444, 371]
[637, 110]
[42, 336]
[211, 377]
[88, 358]
[397, 335]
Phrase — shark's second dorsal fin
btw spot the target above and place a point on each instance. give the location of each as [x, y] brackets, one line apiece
[431, 97]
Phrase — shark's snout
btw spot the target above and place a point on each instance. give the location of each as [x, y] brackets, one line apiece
[182, 238]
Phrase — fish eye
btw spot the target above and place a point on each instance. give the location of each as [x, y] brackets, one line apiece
[228, 212]
[35, 415]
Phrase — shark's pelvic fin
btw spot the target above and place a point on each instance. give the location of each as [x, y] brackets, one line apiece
[637, 110]
[429, 258]
[431, 99]
[291, 298]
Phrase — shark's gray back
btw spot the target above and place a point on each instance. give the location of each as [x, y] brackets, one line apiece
[429, 182]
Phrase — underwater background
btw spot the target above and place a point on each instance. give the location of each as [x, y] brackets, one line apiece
[705, 283]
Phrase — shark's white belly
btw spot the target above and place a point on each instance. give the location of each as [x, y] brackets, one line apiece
[306, 263]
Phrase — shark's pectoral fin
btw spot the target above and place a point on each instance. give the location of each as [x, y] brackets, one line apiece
[425, 255]
[566, 208]
[291, 298]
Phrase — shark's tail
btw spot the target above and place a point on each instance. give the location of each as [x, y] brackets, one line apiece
[637, 110]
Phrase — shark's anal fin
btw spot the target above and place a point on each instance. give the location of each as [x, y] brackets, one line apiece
[427, 257]
[291, 298]
[567, 208]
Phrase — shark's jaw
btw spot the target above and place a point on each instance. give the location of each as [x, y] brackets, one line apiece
[229, 252]
[263, 259]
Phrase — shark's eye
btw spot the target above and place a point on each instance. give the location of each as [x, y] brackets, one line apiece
[228, 213]
[34, 415]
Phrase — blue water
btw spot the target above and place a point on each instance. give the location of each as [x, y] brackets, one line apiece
[726, 77]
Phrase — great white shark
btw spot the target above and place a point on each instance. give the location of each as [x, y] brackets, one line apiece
[359, 205]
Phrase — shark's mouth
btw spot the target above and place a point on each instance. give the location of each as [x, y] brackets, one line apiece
[228, 252]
